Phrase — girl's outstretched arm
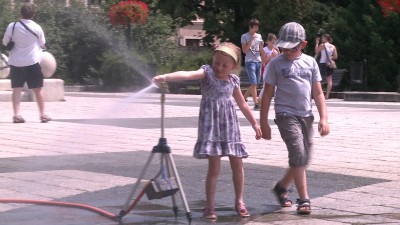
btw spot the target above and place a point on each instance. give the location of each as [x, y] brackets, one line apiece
[244, 107]
[180, 76]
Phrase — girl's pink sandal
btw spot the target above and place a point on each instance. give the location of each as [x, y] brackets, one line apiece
[241, 210]
[210, 214]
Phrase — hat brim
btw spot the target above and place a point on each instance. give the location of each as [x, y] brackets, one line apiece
[286, 44]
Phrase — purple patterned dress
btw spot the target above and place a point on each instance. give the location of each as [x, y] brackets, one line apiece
[218, 133]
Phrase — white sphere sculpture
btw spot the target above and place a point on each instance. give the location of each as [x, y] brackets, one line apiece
[4, 69]
[48, 64]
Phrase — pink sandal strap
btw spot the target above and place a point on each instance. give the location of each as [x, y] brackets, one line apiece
[209, 213]
[241, 210]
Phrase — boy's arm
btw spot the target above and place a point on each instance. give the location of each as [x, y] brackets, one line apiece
[318, 95]
[265, 105]
[246, 45]
[180, 76]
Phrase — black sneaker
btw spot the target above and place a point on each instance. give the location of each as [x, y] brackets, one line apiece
[256, 107]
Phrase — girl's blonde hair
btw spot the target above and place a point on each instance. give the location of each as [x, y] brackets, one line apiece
[234, 49]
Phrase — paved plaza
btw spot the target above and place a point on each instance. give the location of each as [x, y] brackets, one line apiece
[98, 143]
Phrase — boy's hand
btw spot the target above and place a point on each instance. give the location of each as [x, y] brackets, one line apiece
[323, 128]
[266, 132]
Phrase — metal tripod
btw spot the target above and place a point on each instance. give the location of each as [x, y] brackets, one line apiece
[166, 160]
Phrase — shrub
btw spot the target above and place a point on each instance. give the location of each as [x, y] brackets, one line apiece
[119, 71]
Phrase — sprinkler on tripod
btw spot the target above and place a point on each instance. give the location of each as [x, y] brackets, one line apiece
[164, 89]
[169, 183]
[156, 188]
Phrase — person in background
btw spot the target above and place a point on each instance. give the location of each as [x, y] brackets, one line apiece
[328, 52]
[252, 47]
[297, 80]
[218, 131]
[271, 51]
[24, 60]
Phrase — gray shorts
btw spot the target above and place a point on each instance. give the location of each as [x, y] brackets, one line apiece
[297, 133]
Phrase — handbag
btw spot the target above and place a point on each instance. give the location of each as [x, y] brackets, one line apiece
[10, 44]
[331, 63]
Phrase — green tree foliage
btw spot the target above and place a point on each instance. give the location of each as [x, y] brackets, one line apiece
[363, 33]
[359, 28]
[83, 41]
[155, 39]
[84, 36]
[81, 38]
[225, 19]
[180, 61]
[311, 14]
[115, 70]
[7, 15]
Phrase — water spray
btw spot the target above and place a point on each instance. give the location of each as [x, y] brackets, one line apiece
[165, 183]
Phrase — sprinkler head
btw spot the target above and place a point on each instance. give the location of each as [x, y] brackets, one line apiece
[164, 87]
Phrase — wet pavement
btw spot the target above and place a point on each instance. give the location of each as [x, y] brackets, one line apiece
[98, 144]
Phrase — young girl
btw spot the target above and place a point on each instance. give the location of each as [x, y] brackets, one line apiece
[271, 52]
[218, 131]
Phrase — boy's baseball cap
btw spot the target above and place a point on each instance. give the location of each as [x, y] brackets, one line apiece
[290, 35]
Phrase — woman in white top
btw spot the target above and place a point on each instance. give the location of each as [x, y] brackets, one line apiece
[25, 56]
[328, 52]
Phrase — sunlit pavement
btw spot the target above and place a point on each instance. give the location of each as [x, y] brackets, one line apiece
[98, 143]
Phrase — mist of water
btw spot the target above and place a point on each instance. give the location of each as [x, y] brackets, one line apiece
[136, 95]
[126, 54]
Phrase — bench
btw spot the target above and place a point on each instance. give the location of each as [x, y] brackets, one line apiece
[337, 77]
[184, 87]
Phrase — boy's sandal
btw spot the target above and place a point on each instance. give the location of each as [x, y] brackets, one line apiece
[45, 119]
[18, 119]
[279, 193]
[241, 210]
[210, 214]
[303, 206]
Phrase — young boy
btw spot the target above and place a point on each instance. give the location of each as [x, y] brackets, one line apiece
[297, 80]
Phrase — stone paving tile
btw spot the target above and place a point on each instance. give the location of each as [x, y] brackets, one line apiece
[368, 219]
[97, 144]
[308, 222]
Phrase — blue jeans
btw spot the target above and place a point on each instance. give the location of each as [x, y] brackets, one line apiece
[253, 71]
